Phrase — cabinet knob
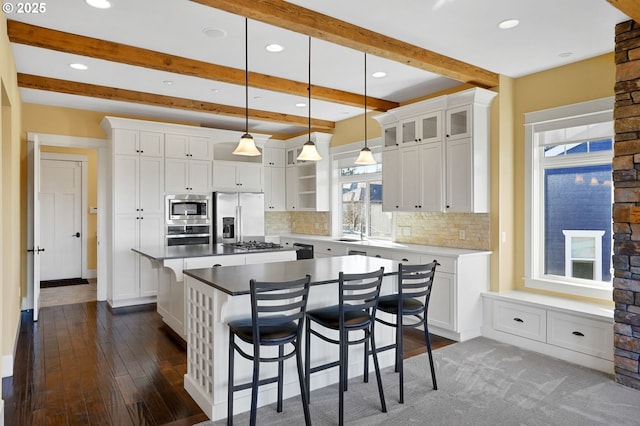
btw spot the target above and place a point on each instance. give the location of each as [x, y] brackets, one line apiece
[377, 255]
[516, 319]
[404, 259]
[448, 206]
[577, 333]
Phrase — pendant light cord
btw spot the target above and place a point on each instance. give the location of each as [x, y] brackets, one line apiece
[309, 88]
[365, 100]
[246, 74]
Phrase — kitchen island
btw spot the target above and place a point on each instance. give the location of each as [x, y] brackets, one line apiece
[216, 296]
[172, 260]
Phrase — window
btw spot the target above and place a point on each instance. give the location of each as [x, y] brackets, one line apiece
[361, 203]
[569, 194]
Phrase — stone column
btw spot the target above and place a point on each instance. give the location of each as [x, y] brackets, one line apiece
[626, 207]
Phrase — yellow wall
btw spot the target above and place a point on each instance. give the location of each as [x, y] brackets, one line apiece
[12, 251]
[578, 82]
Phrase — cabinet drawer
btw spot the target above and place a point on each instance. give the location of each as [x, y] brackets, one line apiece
[409, 258]
[329, 249]
[580, 334]
[525, 321]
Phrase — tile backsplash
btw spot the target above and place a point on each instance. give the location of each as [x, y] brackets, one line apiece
[461, 230]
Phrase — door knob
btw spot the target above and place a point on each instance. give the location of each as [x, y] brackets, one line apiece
[77, 235]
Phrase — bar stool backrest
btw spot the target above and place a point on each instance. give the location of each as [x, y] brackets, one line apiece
[359, 292]
[278, 303]
[416, 281]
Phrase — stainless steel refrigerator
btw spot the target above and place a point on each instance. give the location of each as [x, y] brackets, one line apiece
[238, 216]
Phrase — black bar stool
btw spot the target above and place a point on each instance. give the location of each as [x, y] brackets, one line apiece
[277, 313]
[358, 298]
[414, 291]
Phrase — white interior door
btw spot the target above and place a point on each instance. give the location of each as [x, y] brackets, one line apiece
[35, 248]
[60, 219]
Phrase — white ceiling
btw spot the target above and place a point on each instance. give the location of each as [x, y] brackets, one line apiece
[462, 29]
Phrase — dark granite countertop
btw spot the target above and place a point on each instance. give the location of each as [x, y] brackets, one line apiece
[158, 253]
[234, 280]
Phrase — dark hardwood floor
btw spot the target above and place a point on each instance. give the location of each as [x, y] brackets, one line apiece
[82, 364]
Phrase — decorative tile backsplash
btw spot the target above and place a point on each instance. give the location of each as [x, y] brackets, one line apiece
[461, 230]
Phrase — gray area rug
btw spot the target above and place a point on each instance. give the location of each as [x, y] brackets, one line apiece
[480, 382]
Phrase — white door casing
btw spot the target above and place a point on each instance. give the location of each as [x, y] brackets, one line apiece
[61, 219]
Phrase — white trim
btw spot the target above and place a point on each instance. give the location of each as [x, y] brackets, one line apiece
[533, 278]
[103, 151]
[7, 366]
[1, 412]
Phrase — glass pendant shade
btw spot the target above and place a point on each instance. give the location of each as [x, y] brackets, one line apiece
[246, 146]
[366, 157]
[309, 152]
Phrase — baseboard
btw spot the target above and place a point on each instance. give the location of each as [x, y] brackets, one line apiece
[91, 273]
[1, 412]
[7, 360]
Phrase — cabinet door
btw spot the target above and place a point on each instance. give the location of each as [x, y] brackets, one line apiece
[176, 146]
[125, 261]
[391, 180]
[390, 134]
[432, 177]
[176, 175]
[125, 141]
[151, 184]
[430, 127]
[291, 175]
[249, 177]
[274, 157]
[125, 190]
[151, 144]
[275, 188]
[411, 182]
[408, 132]
[224, 175]
[200, 176]
[459, 176]
[442, 301]
[151, 228]
[459, 122]
[200, 149]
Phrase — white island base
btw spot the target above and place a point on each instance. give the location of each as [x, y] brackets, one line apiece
[208, 312]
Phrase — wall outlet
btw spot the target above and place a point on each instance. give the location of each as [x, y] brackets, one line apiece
[462, 234]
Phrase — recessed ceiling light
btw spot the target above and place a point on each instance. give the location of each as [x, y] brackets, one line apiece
[167, 82]
[274, 48]
[99, 4]
[214, 33]
[301, 104]
[78, 66]
[257, 98]
[508, 23]
[215, 90]
[565, 54]
[379, 74]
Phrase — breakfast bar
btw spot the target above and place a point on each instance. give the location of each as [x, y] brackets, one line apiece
[218, 295]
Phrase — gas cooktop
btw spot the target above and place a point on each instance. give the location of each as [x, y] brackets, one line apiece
[252, 245]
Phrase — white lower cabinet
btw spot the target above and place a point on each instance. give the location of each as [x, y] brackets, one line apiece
[577, 332]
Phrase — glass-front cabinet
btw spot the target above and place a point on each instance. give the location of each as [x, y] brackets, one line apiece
[459, 122]
[425, 128]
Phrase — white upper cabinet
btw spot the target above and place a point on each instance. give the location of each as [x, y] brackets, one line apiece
[273, 156]
[442, 162]
[190, 147]
[188, 164]
[237, 176]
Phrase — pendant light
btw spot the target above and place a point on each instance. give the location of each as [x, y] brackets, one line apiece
[309, 150]
[365, 157]
[247, 145]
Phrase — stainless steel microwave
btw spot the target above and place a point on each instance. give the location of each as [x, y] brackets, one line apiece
[188, 209]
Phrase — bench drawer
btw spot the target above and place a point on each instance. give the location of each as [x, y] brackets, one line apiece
[521, 320]
[580, 334]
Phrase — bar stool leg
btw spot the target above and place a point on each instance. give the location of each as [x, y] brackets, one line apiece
[377, 368]
[254, 386]
[341, 378]
[280, 374]
[307, 359]
[433, 371]
[303, 387]
[366, 361]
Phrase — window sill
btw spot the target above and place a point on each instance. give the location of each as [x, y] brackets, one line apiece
[593, 292]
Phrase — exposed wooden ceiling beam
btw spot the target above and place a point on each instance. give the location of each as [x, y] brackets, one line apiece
[295, 18]
[46, 38]
[111, 93]
[631, 8]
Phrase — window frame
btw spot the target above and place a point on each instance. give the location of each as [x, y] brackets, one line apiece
[534, 277]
